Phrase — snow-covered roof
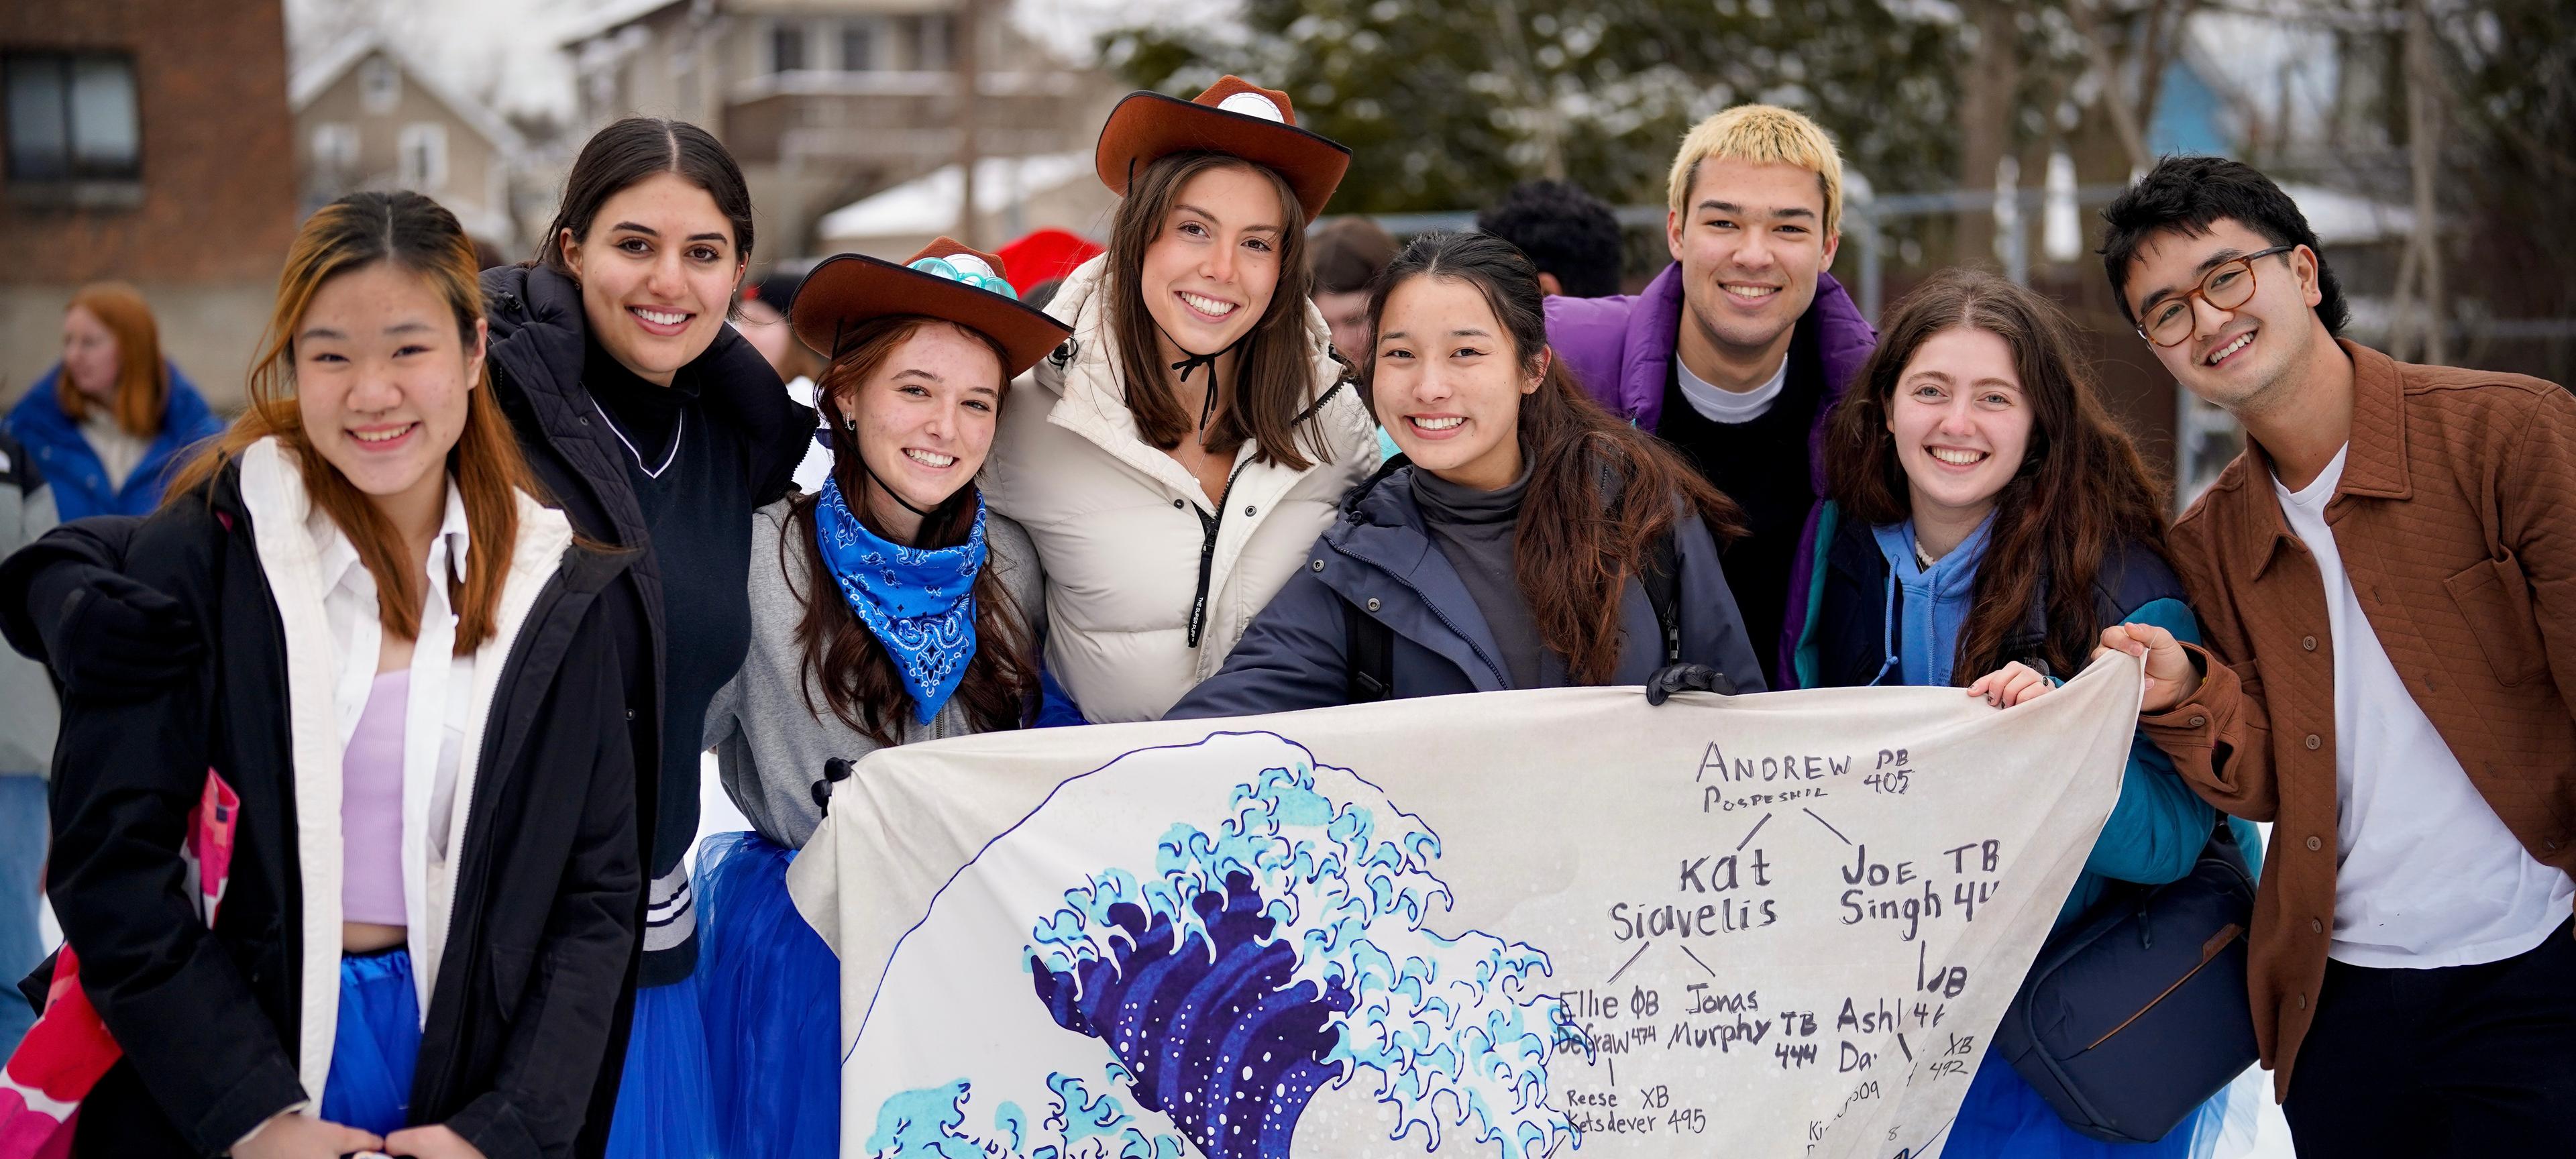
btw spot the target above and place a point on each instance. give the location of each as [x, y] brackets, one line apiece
[928, 204]
[611, 16]
[2349, 218]
[324, 71]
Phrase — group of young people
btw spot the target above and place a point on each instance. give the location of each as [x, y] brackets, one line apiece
[456, 605]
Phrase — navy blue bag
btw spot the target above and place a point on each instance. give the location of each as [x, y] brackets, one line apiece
[2135, 1013]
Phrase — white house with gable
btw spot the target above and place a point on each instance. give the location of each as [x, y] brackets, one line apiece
[367, 116]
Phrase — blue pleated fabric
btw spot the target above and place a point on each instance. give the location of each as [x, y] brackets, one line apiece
[376, 1046]
[663, 1102]
[2002, 1118]
[772, 996]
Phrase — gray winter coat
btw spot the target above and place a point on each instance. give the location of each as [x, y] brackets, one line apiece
[1379, 560]
[770, 745]
[28, 714]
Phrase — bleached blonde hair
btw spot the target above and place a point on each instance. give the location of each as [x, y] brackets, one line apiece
[1762, 134]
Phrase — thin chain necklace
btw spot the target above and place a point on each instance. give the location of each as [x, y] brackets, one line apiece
[680, 421]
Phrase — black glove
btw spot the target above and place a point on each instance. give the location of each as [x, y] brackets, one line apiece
[1672, 678]
[108, 635]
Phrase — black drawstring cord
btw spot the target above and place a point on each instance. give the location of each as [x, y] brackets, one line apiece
[1207, 403]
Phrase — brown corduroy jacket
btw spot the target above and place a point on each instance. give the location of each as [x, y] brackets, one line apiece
[2456, 522]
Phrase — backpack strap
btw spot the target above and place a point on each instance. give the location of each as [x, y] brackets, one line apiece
[1370, 646]
[1662, 581]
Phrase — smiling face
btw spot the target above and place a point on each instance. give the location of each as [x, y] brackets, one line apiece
[657, 274]
[89, 354]
[1448, 384]
[381, 381]
[1961, 424]
[1208, 275]
[1751, 240]
[2241, 360]
[924, 419]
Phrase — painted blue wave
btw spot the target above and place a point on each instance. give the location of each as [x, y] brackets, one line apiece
[1285, 950]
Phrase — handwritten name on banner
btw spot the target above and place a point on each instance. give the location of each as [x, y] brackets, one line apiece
[1472, 926]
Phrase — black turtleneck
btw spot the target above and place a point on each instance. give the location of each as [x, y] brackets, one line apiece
[1475, 530]
[697, 510]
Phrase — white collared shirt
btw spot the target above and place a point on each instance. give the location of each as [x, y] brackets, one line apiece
[442, 687]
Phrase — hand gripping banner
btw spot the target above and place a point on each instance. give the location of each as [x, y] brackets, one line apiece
[1500, 926]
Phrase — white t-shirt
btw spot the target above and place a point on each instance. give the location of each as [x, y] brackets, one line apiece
[2426, 874]
[1719, 405]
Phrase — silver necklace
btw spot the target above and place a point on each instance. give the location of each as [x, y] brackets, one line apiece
[680, 420]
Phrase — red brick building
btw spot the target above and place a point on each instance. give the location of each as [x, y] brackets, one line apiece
[147, 141]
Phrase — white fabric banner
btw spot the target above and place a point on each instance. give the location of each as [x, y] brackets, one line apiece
[1493, 925]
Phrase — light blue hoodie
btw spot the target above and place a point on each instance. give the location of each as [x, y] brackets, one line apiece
[1934, 602]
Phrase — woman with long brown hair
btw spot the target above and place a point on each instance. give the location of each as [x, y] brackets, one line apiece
[888, 608]
[1985, 520]
[1527, 538]
[405, 699]
[1173, 460]
[112, 420]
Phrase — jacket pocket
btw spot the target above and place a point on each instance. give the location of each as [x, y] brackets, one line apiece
[2495, 599]
[510, 967]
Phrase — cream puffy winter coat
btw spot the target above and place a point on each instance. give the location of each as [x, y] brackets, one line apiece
[1135, 554]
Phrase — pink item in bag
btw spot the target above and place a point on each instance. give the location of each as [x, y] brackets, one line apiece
[68, 1049]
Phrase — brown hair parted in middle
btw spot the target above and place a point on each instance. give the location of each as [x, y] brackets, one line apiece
[1600, 492]
[1274, 377]
[859, 680]
[2081, 488]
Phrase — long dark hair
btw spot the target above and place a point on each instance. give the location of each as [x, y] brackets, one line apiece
[421, 238]
[859, 680]
[1600, 493]
[1275, 372]
[2080, 490]
[636, 148]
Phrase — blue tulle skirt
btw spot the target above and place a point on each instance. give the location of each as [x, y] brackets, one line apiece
[377, 1045]
[772, 995]
[2003, 1118]
[663, 1101]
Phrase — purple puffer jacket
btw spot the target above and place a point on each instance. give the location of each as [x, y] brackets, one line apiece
[1621, 350]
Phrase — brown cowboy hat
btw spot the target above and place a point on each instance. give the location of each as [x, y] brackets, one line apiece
[1234, 117]
[849, 289]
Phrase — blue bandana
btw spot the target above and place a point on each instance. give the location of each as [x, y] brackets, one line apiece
[919, 602]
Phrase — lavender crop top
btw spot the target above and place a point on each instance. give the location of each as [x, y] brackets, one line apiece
[371, 807]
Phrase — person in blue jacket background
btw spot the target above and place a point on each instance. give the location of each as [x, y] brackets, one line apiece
[1508, 552]
[110, 421]
[1985, 520]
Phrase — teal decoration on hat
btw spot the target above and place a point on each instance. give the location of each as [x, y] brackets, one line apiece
[936, 266]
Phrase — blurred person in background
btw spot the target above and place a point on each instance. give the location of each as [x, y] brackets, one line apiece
[110, 422]
[1736, 351]
[27, 720]
[1568, 234]
[1346, 254]
[764, 322]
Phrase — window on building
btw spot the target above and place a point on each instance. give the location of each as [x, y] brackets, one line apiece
[787, 48]
[72, 117]
[379, 84]
[858, 45]
[424, 157]
[935, 30]
[335, 149]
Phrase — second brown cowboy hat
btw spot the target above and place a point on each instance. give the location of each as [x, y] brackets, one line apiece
[1234, 117]
[946, 280]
